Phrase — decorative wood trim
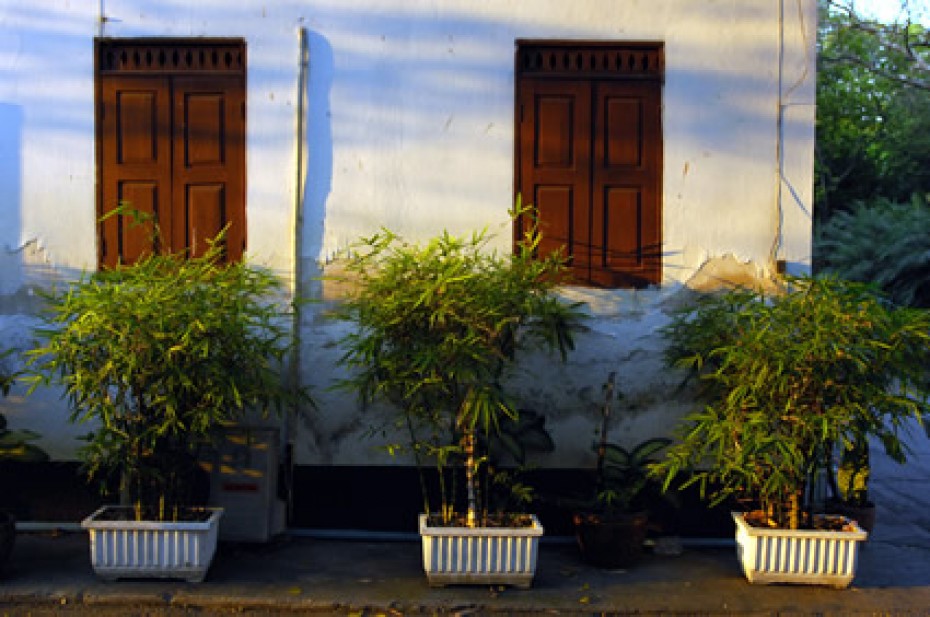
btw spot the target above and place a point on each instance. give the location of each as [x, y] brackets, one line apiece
[170, 56]
[567, 59]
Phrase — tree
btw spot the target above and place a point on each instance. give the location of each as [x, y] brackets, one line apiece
[905, 44]
[873, 108]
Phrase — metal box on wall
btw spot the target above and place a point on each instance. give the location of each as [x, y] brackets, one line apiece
[244, 480]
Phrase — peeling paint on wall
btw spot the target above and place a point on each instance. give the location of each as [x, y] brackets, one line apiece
[721, 273]
[622, 336]
[727, 272]
[23, 271]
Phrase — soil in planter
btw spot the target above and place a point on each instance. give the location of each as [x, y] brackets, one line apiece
[822, 522]
[497, 520]
[128, 513]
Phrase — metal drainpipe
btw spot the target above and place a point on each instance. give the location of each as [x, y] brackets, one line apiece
[303, 63]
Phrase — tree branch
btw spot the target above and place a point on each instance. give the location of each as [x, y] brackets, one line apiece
[895, 38]
[898, 78]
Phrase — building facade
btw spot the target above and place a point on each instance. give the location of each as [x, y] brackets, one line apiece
[667, 143]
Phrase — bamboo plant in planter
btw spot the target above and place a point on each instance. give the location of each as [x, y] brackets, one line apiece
[784, 379]
[438, 330]
[156, 356]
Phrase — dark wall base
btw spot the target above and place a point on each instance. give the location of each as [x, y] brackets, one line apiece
[48, 492]
[388, 499]
[57, 492]
[380, 499]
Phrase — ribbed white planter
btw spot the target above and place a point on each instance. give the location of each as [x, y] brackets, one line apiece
[480, 556]
[152, 549]
[797, 556]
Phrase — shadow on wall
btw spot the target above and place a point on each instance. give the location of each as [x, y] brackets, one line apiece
[420, 105]
[11, 129]
[410, 122]
[317, 173]
[24, 269]
[24, 264]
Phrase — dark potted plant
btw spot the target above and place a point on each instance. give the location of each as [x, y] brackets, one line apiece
[611, 525]
[438, 329]
[156, 356]
[784, 379]
[14, 446]
[849, 484]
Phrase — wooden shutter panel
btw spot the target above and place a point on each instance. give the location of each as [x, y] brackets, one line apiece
[589, 156]
[171, 141]
[209, 166]
[555, 157]
[625, 218]
[136, 154]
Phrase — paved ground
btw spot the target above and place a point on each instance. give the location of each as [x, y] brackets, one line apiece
[49, 574]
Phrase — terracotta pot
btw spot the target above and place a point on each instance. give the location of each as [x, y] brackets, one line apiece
[611, 542]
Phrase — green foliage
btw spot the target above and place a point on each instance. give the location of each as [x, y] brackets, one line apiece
[515, 439]
[622, 482]
[7, 376]
[784, 379]
[626, 480]
[884, 243]
[14, 445]
[873, 111]
[439, 328]
[852, 474]
[518, 437]
[159, 354]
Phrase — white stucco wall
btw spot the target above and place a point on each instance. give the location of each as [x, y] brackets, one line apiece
[409, 125]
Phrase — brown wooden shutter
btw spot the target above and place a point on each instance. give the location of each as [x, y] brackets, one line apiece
[589, 156]
[209, 167]
[171, 141]
[555, 159]
[136, 156]
[625, 214]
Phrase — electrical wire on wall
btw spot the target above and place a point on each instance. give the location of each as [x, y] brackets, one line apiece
[783, 96]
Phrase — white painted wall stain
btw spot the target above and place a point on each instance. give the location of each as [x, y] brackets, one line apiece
[409, 125]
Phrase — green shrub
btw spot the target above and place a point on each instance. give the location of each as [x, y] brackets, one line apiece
[14, 445]
[159, 354]
[787, 377]
[881, 242]
[438, 329]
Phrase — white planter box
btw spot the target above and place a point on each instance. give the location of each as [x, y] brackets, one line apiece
[152, 549]
[480, 556]
[797, 556]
